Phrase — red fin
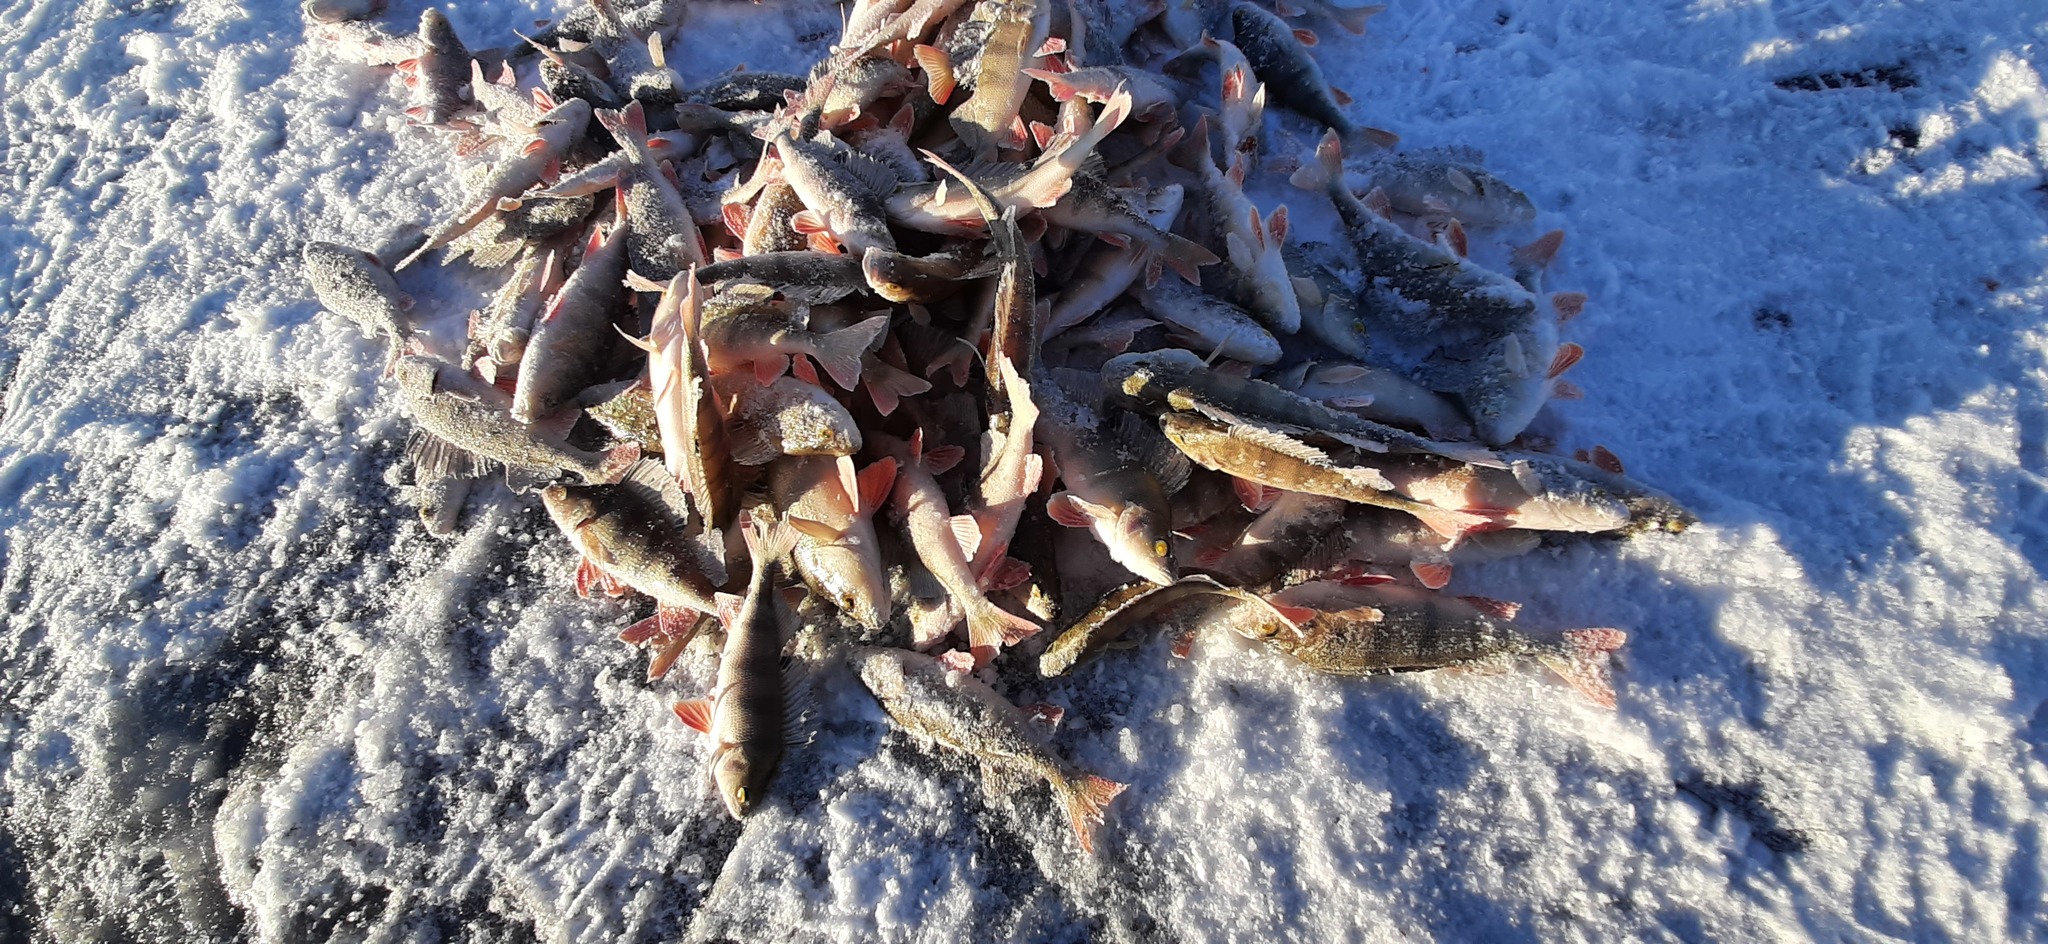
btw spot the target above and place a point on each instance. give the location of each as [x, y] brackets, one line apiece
[1041, 134]
[1342, 97]
[1296, 614]
[1209, 557]
[1568, 304]
[800, 367]
[1450, 524]
[1084, 802]
[823, 242]
[1583, 663]
[534, 146]
[735, 215]
[939, 460]
[1005, 573]
[768, 369]
[1454, 234]
[1254, 496]
[876, 481]
[1378, 202]
[938, 72]
[666, 652]
[1567, 355]
[696, 713]
[1538, 253]
[728, 605]
[959, 661]
[722, 254]
[1043, 713]
[1118, 240]
[1053, 46]
[1183, 644]
[587, 576]
[1499, 609]
[808, 222]
[1276, 225]
[1063, 509]
[1433, 574]
[641, 631]
[1306, 37]
[1607, 461]
[1566, 390]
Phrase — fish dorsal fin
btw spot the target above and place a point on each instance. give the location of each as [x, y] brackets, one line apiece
[1278, 440]
[439, 457]
[875, 178]
[1144, 445]
[648, 480]
[966, 533]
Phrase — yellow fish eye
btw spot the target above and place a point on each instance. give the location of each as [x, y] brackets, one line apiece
[740, 794]
[1159, 548]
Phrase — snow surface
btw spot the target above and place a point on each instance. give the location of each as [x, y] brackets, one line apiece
[243, 694]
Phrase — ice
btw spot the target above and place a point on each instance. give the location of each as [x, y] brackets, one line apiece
[243, 694]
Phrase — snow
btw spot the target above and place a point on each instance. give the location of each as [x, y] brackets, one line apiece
[243, 694]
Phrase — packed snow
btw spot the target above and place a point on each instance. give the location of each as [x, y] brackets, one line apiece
[245, 695]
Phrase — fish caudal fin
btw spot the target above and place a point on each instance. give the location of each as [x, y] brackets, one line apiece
[1327, 171]
[1085, 797]
[991, 626]
[839, 352]
[1581, 660]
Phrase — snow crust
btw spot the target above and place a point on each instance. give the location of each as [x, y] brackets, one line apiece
[244, 695]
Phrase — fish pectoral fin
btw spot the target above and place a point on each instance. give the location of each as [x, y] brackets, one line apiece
[1073, 512]
[695, 712]
[799, 717]
[815, 530]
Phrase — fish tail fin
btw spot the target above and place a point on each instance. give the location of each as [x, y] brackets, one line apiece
[1085, 797]
[888, 386]
[1185, 256]
[1327, 170]
[839, 352]
[1581, 661]
[991, 625]
[1353, 19]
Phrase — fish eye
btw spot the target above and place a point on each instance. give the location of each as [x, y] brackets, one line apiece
[1159, 548]
[740, 794]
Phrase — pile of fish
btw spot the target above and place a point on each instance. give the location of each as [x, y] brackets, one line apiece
[973, 333]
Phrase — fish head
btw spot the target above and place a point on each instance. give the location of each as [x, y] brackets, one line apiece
[436, 31]
[1136, 538]
[565, 123]
[849, 574]
[742, 780]
[572, 508]
[884, 271]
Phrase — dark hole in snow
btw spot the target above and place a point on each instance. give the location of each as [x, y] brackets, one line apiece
[1772, 319]
[1893, 78]
[1746, 800]
[1905, 137]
